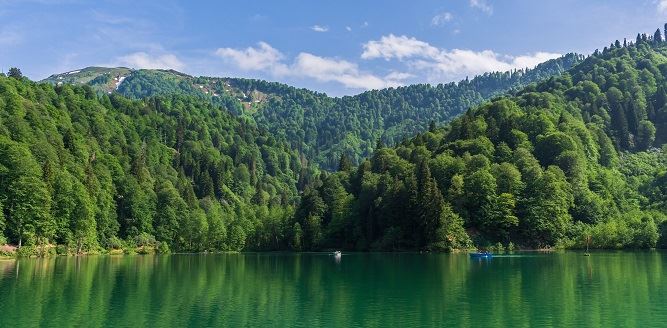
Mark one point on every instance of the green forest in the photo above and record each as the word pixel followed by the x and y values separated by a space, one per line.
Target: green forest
pixel 571 159
pixel 90 172
pixel 321 127
pixel 576 157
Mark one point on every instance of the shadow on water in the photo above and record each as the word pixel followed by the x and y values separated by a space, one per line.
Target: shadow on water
pixel 314 289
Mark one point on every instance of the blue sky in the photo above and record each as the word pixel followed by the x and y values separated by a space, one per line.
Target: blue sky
pixel 339 47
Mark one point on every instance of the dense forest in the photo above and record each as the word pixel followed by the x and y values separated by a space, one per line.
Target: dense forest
pixel 575 159
pixel 87 172
pixel 321 127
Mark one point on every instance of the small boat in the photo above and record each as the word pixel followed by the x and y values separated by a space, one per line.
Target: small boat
pixel 337 254
pixel 481 255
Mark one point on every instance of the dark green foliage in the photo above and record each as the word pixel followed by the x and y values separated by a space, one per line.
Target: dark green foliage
pixel 15 73
pixel 81 170
pixel 569 158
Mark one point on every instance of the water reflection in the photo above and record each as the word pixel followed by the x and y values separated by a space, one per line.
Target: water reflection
pixel 406 290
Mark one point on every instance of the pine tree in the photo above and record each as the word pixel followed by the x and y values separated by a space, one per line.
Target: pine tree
pixel 430 203
pixel 657 36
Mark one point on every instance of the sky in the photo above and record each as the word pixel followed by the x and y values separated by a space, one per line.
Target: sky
pixel 340 47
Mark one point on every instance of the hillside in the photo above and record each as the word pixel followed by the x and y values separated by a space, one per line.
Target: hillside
pixel 87 171
pixel 579 157
pixel 322 127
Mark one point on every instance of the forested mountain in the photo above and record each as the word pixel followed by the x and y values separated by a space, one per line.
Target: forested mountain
pixel 88 171
pixel 322 127
pixel 580 156
pixel 577 158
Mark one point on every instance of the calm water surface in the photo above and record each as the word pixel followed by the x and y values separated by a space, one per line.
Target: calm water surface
pixel 306 290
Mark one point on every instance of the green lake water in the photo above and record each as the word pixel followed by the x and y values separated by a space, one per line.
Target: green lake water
pixel 607 289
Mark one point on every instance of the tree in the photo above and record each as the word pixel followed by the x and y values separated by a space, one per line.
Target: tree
pixel 619 121
pixel 449 232
pixel 27 199
pixel 15 73
pixel 429 205
pixel 297 236
pixel 645 135
pixel 545 208
pixel 170 211
pixel 657 36
pixel 29 219
pixel 480 191
pixel 3 240
pixel 74 213
pixel 503 219
pixel 345 163
pixel 309 216
pixel 508 178
pixel 83 223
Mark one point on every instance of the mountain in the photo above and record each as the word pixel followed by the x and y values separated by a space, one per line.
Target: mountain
pixel 577 159
pixel 90 172
pixel 322 127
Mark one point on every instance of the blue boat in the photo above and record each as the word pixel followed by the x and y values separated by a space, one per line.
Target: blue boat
pixel 481 255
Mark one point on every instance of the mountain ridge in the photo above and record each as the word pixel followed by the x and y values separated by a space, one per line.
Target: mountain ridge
pixel 333 126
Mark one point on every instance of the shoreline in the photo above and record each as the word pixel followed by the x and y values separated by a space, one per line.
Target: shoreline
pixel 119 253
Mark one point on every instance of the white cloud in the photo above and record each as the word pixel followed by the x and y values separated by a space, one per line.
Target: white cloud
pixel 399 47
pixel 344 72
pixel 441 19
pixel 398 76
pixel 349 29
pixel 144 60
pixel 458 63
pixel 441 64
pixel 662 6
pixel 533 60
pixel 263 57
pixel 318 28
pixel 305 65
pixel 482 5
pixel 420 61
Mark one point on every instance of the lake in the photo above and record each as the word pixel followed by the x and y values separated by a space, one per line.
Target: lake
pixel 564 289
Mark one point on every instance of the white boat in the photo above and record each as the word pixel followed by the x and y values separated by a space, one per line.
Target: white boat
pixel 337 254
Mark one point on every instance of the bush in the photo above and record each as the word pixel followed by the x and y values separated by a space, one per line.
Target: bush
pixel 26 251
pixel 145 239
pixel 3 240
pixel 163 248
pixel 115 243
pixel 143 250
pixel 62 250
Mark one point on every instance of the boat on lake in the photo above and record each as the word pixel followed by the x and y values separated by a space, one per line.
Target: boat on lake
pixel 481 255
